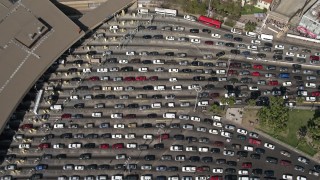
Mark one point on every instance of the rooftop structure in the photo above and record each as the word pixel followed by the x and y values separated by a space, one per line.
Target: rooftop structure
pixel 310 22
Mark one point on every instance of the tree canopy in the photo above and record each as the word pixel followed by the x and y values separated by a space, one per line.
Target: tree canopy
pixel 250 26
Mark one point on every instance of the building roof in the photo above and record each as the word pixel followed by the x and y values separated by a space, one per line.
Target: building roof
pixel 267 1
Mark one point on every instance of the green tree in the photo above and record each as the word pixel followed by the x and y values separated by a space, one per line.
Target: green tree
pixel 299 100
pixel 230 22
pixel 275 116
pixel 250 26
pixel 215 108
pixel 302 132
pixel 314 129
pixel 251 102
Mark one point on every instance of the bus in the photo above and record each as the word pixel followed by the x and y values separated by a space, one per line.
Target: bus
pixel 265 37
pixel 143 11
pixel 209 21
pixel 166 12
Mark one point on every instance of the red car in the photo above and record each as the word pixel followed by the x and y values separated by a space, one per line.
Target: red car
pixel 104 146
pixel 254 141
pixel 141 78
pixel 199 169
pixel 257 66
pixel 209 42
pixel 214 95
pixel 315 93
pixel 255 74
pixel 94 78
pixel 247 165
pixel 315 58
pixel 153 78
pixel 216 178
pixel 131 116
pixel 232 72
pixel 285 163
pixel 165 136
pixel 66 116
pixel 129 79
pixel 273 83
pixel 118 146
pixel 218 143
pixel 44 145
pixel 26 126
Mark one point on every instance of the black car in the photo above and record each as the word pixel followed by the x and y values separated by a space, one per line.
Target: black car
pixel 71 70
pixel 82 88
pixel 76 79
pixel 228 36
pixel 242 153
pixel 85 156
pixel 278 51
pixel 146 62
pixel 79 105
pixel 126 69
pixel 277 57
pixel 133 105
pixel 213 79
pixel 92 167
pixel 141 27
pixel 172 168
pixel 106 135
pixel 230 171
pixel 146 125
pixel 194 30
pixel 206 30
pixel 152 115
pixel 288 58
pixel 148 87
pixel 272 160
pixel 268 44
pixel 158 146
pixel 209 87
pixel 156 96
pixel 92 136
pixel 301 60
pixel 153 53
pixel 159 36
pixel 296 66
pixel 257 171
pixel 104 167
pixel 219 54
pixel 266 49
pixel 269 173
pixel 208 64
pixel 111 96
pixel 246 80
pixel 255 156
pixel 100 96
pixel 66 136
pixel 178 137
pixel 197 63
pixel 147 37
pixel 186 70
pixel 152 27
pixel 230 177
pixel 231 163
pixel 90 145
pixel 207 159
pixel 221 161
pixel 191 139
pixel 194 158
pixel 215 150
pixel 260 151
pixel 261 55
pixel 234 51
pixel 169 53
pixel 149 157
pixel 230 45
pixel 271 67
pixel 199 78
pixel 239 39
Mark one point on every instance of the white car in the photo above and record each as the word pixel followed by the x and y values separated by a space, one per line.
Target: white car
pixel 189 169
pixel 285 153
pixel 217 124
pixel 243 172
pixel 201 129
pixel 301 56
pixel 74 145
pixel 114 69
pixel 254 135
pixel 226 134
pixel 176 148
pixel 173 70
pixel 116 136
pixel 118 126
pixel 177 87
pixel 301 178
pixel 24 146
pixel 58 146
pixel 132 145
pixel 290 54
pixel 252 47
pixel 173 79
pixel 221 71
pixel 203 149
pixel 102 70
pixel 311 85
pixel 311 98
pixel 307 71
pixel 251 34
pixel 190 18
pixel 269 146
pixel 304 160
pixel 195 40
pixel 242 131
pixel 143 69
pixel 217 170
pixel 191 148
pixel 256 42
pixel 158 61
pixel 215 35
pixel 178 28
pixel 147 136
pixel 317 54
pixel 195 118
pixel 130 53
pixel 170 38
pixel 123 61
pixel 130 136
pixel 287 83
pixel 146 167
pixel 216 118
pixel 248 148
pixel 279 46
pixel 213 131
pixel 79 167
pixel 116 115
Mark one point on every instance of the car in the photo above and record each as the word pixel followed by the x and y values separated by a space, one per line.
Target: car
pixel 195 40
pixel 313 172
pixel 246 165
pixel 228 153
pixel 285 163
pixel 254 141
pixel 170 38
pixel 299 177
pixel 303 160
pixel 255 41
pixel 217 170
pixel 285 153
pixel 209 42
pixel 215 35
pixel 243 172
pixel 269 146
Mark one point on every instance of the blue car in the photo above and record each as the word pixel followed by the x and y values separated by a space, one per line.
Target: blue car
pixel 41 167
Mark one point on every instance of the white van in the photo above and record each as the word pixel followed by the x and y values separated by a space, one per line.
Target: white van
pixel 159 88
pixel 96 114
pixel 266 37
pixel 56 107
pixel 156 105
pixel 169 115
pixel 177 88
pixel 251 34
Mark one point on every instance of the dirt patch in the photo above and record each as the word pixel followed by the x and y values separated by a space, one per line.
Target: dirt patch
pixel 249 118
